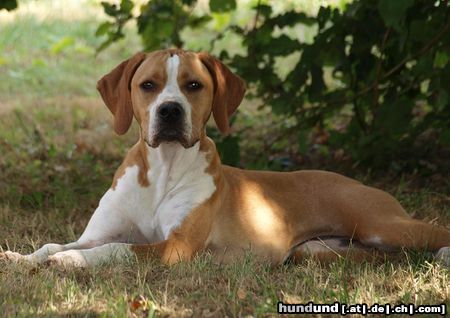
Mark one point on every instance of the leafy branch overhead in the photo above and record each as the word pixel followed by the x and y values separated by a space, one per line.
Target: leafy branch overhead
pixel 8 4
pixel 375 76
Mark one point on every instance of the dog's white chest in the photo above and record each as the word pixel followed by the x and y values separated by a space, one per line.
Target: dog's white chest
pixel 178 184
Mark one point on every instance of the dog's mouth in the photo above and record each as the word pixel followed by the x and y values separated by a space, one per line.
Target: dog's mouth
pixel 169 136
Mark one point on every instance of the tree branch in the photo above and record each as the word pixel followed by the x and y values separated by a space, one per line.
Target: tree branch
pixel 376 93
pixel 397 67
pixel 255 22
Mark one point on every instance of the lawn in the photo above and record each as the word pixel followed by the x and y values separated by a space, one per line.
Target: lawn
pixel 58 153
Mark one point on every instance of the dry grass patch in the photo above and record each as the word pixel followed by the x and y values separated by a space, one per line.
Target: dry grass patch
pixel 203 288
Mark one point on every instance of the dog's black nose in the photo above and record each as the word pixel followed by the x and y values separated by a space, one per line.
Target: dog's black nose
pixel 170 111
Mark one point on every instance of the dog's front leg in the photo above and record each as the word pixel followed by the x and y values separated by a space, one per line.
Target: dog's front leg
pixel 106 225
pixel 110 252
pixel 39 255
pixel 169 251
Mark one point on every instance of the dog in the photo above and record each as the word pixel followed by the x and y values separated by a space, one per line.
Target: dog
pixel 172 199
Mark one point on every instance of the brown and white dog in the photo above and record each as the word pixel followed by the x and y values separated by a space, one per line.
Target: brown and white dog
pixel 172 198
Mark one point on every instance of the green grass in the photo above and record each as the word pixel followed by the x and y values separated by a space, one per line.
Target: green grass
pixel 57 157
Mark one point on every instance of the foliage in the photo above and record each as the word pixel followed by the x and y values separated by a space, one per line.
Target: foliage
pixel 375 77
pixel 8 4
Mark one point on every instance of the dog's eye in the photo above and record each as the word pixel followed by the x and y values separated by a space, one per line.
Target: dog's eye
pixel 148 86
pixel 193 86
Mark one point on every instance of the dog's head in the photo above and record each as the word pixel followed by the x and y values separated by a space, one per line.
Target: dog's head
pixel 172 94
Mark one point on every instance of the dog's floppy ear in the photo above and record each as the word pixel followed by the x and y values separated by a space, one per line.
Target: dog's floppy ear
pixel 229 90
pixel 114 88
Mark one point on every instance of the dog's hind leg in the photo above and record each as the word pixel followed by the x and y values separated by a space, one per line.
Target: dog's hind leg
pixel 331 249
pixel 403 233
pixel 406 233
pixel 376 219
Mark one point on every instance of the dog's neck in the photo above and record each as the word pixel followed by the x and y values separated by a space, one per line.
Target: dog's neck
pixel 173 157
pixel 169 162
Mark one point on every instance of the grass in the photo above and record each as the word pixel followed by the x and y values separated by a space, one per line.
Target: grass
pixel 58 155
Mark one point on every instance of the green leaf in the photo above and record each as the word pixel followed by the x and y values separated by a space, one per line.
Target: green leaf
pixel 323 16
pixel 317 82
pixel 196 22
pixel 303 142
pixel 442 100
pixel 420 30
pixel 279 106
pixel 8 4
pixel 110 9
pixel 282 46
pixel 103 28
pixel 441 59
pixel 393 12
pixel 337 139
pixel 104 45
pixel 445 136
pixel 157 37
pixel 261 36
pixel 221 21
pixel 423 65
pixel 62 44
pixel 222 5
pixel 394 117
pixel 290 19
pixel 126 6
pixel 189 2
pixel 229 150
pixel 264 10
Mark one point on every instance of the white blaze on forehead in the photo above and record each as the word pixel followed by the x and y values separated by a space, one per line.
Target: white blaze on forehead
pixel 171 93
pixel 173 63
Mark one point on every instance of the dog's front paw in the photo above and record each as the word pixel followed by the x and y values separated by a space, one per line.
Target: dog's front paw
pixel 443 256
pixel 10 256
pixel 71 258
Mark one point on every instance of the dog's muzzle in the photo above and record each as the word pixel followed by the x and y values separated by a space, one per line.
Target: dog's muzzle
pixel 170 127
